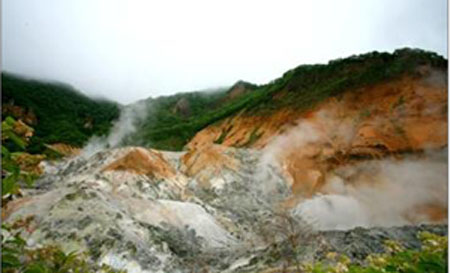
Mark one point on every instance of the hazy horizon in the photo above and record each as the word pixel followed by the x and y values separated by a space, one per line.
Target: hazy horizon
pixel 131 50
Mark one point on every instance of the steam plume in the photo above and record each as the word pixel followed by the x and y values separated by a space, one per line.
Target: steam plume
pixel 381 193
pixel 130 116
pixel 386 192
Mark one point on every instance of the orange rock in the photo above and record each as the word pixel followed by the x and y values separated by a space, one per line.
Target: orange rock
pixel 65 149
pixel 143 161
pixel 13 206
pixel 434 212
pixel 27 115
pixel 406 114
pixel 29 162
pixel 206 162
pixel 387 111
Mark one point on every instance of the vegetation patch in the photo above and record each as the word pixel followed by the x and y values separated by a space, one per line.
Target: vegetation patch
pixel 254 136
pixel 432 257
pixel 223 135
pixel 63 114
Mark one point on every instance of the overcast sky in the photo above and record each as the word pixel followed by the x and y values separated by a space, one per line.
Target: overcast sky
pixel 128 49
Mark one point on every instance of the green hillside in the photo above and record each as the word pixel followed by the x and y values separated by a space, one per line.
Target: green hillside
pixel 62 113
pixel 168 128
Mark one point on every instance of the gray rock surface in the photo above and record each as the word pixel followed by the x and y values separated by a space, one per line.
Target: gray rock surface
pixel 164 220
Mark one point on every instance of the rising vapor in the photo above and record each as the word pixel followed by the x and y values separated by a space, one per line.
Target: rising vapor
pixel 130 116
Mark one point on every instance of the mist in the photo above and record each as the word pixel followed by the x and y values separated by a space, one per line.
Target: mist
pixel 130 116
pixel 130 50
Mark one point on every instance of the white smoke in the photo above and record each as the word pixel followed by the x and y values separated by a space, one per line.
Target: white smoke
pixel 322 130
pixel 379 193
pixel 269 181
pixel 130 116
pixel 386 192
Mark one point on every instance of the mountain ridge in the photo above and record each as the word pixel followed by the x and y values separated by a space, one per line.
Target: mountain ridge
pixel 300 89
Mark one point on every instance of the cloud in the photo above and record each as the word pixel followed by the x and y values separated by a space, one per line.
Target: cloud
pixel 129 50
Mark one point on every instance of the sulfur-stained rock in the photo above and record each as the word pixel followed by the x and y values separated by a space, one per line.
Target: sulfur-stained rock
pixel 205 163
pixel 64 149
pixel 143 161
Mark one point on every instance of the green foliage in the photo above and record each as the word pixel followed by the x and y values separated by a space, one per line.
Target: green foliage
pixel 364 114
pixel 254 136
pixel 399 102
pixel 9 134
pixel 164 128
pixel 62 112
pixel 223 135
pixel 11 173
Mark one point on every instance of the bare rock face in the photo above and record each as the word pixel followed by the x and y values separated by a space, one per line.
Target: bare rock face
pixel 133 208
pixel 206 164
pixel 123 214
pixel 220 208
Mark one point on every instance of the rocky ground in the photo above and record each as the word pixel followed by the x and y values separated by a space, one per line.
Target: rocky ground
pixel 223 209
